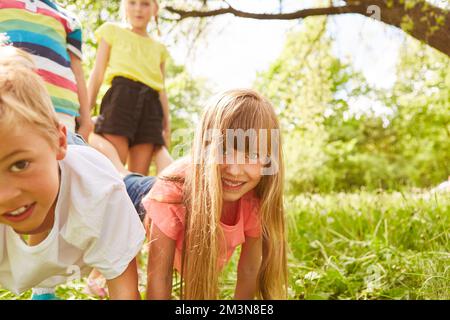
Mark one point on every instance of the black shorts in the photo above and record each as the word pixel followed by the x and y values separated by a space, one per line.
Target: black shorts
pixel 133 110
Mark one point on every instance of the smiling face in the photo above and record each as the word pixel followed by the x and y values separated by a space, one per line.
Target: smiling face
pixel 139 12
pixel 238 178
pixel 29 178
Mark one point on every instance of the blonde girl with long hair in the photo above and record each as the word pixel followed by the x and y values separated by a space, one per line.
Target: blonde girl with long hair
pixel 228 192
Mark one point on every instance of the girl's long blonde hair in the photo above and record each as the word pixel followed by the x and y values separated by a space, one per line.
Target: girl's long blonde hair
pixel 236 109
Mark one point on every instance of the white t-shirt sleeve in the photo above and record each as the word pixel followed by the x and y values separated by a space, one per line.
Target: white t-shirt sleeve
pixel 102 220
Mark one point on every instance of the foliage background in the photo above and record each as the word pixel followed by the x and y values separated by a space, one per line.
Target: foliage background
pixel 330 146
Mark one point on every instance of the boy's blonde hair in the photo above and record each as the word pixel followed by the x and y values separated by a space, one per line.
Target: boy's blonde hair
pixel 24 98
pixel 236 109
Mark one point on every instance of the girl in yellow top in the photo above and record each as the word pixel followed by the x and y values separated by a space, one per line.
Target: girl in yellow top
pixel 134 113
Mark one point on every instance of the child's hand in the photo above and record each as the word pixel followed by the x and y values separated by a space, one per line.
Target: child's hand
pixel 86 127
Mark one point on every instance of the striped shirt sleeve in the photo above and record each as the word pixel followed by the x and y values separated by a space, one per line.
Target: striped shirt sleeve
pixel 74 35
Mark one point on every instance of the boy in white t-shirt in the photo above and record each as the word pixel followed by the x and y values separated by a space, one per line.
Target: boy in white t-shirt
pixel 70 199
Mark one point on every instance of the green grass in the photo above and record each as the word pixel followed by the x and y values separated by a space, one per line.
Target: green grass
pixel 352 246
pixel 369 246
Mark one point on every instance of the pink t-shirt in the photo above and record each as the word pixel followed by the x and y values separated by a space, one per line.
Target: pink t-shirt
pixel 164 204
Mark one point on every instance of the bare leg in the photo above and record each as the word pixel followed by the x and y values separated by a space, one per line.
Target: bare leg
pixel 162 158
pixel 108 149
pixel 121 145
pixel 140 157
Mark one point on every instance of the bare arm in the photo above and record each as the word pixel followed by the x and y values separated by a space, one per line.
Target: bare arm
pixel 248 268
pixel 98 73
pixel 166 111
pixel 160 265
pixel 86 124
pixel 125 286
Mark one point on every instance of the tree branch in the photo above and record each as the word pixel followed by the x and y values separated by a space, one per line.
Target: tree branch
pixel 183 14
pixel 430 23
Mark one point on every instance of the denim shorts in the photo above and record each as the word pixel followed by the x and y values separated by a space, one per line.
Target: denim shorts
pixel 137 187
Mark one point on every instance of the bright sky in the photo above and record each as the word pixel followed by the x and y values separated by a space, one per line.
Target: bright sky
pixel 236 52
pixel 236 49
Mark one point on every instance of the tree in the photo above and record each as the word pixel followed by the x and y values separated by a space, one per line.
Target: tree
pixel 341 133
pixel 421 99
pixel 301 85
pixel 419 18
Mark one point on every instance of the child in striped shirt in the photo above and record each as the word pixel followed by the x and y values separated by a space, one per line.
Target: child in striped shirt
pixel 53 37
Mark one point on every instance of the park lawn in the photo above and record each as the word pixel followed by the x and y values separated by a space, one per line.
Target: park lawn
pixel 352 246
pixel 369 246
